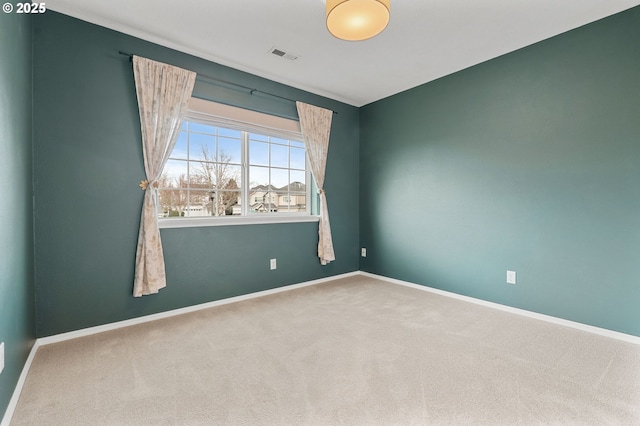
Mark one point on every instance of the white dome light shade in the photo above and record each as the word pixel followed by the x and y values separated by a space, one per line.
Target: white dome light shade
pixel 356 20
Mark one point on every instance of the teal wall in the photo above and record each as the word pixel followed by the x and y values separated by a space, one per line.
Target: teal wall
pixel 87 166
pixel 528 162
pixel 17 329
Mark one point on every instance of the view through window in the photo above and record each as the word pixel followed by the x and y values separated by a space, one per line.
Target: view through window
pixel 218 171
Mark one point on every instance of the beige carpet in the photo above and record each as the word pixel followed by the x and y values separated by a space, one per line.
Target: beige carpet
pixel 355 351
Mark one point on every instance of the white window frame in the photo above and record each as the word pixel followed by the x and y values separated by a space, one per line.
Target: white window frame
pixel 212 113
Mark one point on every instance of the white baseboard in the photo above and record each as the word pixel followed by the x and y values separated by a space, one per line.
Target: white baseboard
pixel 13 402
pixel 6 420
pixel 140 320
pixel 548 318
pixel 147 318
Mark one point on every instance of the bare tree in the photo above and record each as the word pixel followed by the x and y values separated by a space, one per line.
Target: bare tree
pixel 216 174
pixel 212 185
pixel 172 195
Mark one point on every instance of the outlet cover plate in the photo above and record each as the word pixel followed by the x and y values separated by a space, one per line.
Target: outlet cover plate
pixel 1 357
pixel 272 264
pixel 511 277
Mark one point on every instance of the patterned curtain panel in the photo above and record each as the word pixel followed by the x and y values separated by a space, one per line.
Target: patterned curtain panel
pixel 163 92
pixel 315 123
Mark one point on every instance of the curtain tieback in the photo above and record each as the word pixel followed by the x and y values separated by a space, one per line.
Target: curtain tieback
pixel 321 191
pixel 144 184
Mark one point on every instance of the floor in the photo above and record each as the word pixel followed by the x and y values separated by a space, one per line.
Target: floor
pixel 355 351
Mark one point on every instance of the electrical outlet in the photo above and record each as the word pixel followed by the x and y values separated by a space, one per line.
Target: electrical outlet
pixel 273 264
pixel 363 252
pixel 1 357
pixel 511 277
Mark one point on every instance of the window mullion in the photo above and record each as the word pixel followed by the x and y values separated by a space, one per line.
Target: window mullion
pixel 244 194
pixel 188 177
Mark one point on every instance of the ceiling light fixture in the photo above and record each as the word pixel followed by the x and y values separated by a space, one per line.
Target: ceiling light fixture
pixel 356 20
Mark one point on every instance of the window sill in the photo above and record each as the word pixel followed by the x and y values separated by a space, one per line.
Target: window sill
pixel 224 221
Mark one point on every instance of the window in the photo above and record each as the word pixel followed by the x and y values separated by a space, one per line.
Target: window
pixel 224 169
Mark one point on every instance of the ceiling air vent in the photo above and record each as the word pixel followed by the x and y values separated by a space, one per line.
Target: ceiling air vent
pixel 283 54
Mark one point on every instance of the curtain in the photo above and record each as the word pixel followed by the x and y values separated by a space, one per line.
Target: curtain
pixel 163 92
pixel 315 123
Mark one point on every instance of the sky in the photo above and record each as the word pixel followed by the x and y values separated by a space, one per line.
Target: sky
pixel 200 143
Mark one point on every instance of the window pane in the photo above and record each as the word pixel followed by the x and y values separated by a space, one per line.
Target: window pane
pixel 215 175
pixel 297 144
pixel 292 203
pixel 283 198
pixel 258 176
pixel 297 187
pixel 201 128
pixel 256 137
pixel 181 150
pixel 201 175
pixel 279 178
pixel 171 202
pixel 297 158
pixel 259 153
pixel 202 147
pixel 256 196
pixel 298 204
pixel 279 141
pixel 229 133
pixel 174 174
pixel 262 200
pixel 299 177
pixel 279 156
pixel 230 176
pixel 227 203
pixel 229 150
pixel 200 203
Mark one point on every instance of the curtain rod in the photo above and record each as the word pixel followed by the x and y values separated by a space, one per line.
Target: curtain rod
pixel 240 86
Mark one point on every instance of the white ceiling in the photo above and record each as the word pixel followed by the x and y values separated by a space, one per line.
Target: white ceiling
pixel 425 39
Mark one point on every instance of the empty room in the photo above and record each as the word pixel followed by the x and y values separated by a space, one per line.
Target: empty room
pixel 319 212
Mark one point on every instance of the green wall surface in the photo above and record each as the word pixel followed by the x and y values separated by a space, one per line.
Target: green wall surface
pixel 528 162
pixel 87 166
pixel 17 329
